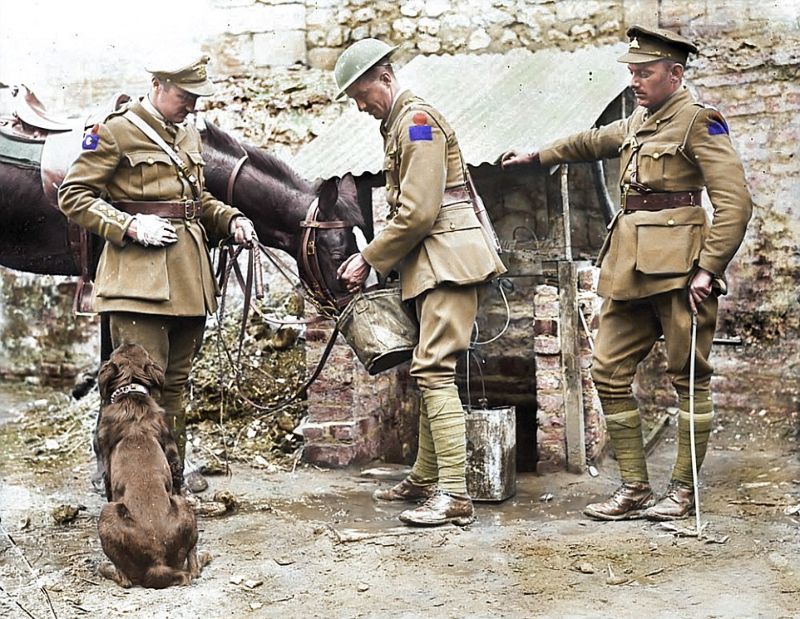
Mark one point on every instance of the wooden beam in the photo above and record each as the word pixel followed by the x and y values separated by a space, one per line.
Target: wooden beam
pixel 565 212
pixel 572 383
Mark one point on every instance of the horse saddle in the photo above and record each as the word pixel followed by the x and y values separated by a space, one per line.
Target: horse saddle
pixel 57 143
pixel 30 121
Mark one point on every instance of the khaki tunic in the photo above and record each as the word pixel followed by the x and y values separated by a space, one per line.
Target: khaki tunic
pixel 176 280
pixel 680 147
pixel 427 244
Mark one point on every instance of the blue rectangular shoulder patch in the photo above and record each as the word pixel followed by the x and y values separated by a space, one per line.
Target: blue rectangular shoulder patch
pixel 717 128
pixel 420 132
pixel 90 141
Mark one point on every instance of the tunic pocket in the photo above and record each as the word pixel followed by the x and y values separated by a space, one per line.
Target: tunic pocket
pixel 668 242
pixel 456 247
pixel 656 164
pixel 148 169
pixel 133 272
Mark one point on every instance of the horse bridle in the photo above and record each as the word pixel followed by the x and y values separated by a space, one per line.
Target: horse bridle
pixel 310 269
pixel 232 178
pixel 308 259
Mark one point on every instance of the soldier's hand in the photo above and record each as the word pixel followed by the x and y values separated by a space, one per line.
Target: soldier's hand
pixel 699 288
pixel 244 233
pixel 513 159
pixel 152 230
pixel 353 272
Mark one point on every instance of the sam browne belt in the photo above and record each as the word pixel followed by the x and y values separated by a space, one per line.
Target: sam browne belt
pixel 661 201
pixel 185 209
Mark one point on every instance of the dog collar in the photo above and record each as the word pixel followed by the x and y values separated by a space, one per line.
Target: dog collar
pixel 129 389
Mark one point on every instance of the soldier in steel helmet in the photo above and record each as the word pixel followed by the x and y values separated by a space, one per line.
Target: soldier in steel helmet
pixel 154 278
pixel 662 261
pixel 436 243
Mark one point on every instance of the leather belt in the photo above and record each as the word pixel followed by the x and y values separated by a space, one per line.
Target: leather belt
pixel 455 195
pixel 661 201
pixel 185 209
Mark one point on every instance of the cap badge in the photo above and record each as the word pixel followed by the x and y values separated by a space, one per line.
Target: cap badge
pixel 634 43
pixel 200 68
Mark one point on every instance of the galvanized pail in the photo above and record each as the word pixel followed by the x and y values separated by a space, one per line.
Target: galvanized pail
pixel 491 453
pixel 380 328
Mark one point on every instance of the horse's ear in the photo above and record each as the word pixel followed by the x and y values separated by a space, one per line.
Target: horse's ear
pixel 328 194
pixel 347 188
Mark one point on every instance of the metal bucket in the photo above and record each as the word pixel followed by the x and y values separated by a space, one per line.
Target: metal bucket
pixel 491 453
pixel 380 328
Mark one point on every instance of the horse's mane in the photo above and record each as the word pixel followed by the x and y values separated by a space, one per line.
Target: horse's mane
pixel 259 157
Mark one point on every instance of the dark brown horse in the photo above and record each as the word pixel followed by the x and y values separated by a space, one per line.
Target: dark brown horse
pixel 34 236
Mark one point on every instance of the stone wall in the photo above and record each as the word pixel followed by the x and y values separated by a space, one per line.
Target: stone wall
pixel 40 339
pixel 459 26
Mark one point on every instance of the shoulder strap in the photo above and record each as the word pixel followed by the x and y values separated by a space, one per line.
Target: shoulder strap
pixel 151 133
pixel 682 147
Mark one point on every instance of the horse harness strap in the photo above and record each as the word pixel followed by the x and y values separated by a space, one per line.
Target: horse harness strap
pixel 232 179
pixel 182 209
pixel 309 258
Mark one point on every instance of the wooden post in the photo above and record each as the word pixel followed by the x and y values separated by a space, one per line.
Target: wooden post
pixel 565 212
pixel 572 383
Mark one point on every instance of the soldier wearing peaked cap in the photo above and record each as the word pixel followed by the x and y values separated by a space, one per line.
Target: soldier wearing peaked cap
pixel 436 243
pixel 662 261
pixel 138 183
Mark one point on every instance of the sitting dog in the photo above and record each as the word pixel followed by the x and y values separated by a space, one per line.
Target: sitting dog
pixel 147 529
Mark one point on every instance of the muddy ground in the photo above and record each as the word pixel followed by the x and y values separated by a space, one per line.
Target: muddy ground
pixel 312 543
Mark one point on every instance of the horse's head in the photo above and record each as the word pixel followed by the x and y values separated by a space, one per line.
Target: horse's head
pixel 277 200
pixel 333 240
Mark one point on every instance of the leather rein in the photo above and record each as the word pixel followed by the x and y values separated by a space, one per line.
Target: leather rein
pixel 308 260
pixel 311 278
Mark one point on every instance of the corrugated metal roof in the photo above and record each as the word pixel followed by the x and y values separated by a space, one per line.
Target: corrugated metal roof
pixel 495 102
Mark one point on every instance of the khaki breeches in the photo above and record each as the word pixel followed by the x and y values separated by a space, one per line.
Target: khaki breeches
pixel 628 331
pixel 446 315
pixel 172 342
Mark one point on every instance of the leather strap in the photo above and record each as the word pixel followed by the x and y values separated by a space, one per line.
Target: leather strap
pixel 661 201
pixel 151 133
pixel 232 179
pixel 187 209
pixel 455 195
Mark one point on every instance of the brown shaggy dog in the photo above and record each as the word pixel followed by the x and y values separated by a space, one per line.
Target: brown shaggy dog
pixel 148 531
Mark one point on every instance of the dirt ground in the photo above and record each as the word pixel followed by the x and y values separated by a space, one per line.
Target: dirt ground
pixel 312 543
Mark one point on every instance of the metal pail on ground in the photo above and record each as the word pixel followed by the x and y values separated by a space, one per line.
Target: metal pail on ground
pixel 380 328
pixel 491 453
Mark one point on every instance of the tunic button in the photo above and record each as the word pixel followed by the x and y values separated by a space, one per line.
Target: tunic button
pixel 150 160
pixel 452 226
pixel 671 222
pixel 656 155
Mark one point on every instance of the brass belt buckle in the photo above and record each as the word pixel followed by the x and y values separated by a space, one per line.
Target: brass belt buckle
pixel 189 209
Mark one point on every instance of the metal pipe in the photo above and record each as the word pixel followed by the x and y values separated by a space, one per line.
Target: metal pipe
pixel 607 205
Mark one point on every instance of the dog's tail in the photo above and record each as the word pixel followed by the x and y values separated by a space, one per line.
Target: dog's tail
pixel 162 576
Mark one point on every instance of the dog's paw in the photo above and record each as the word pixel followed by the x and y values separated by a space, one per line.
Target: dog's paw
pixel 108 570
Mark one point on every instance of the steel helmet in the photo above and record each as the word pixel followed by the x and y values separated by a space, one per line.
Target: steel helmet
pixel 357 60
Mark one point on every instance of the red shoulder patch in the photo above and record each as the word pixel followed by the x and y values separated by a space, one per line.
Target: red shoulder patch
pixel 420 118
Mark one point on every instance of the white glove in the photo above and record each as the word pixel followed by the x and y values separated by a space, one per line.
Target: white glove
pixel 154 230
pixel 243 231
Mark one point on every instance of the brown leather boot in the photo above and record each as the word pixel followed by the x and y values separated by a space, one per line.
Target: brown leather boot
pixel 441 508
pixel 677 503
pixel 627 503
pixel 406 490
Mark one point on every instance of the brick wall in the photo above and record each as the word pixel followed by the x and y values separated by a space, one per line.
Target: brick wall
pixel 551 413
